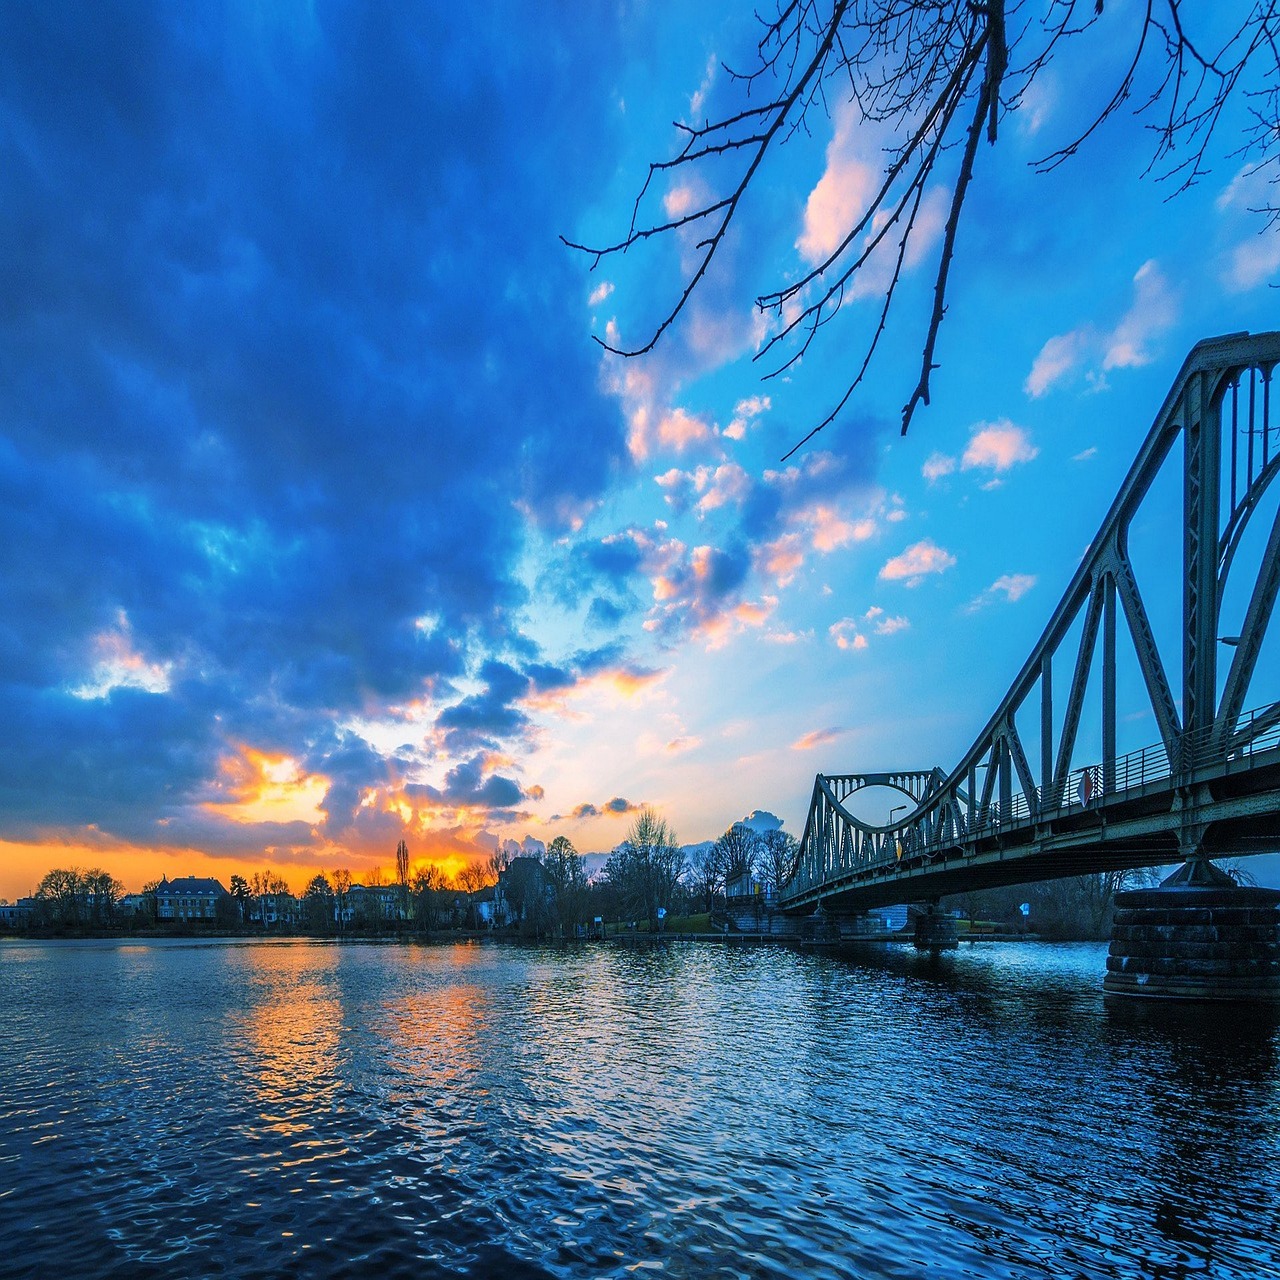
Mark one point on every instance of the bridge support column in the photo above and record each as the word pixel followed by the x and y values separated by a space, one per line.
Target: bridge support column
pixel 1199 936
pixel 935 930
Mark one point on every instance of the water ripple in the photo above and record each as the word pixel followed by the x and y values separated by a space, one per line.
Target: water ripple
pixel 693 1111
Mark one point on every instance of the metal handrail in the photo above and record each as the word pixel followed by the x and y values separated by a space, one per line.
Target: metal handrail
pixel 1133 772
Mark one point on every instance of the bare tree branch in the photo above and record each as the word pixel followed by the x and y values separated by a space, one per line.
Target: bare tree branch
pixel 938 75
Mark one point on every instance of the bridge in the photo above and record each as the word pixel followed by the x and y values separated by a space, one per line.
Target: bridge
pixel 1210 785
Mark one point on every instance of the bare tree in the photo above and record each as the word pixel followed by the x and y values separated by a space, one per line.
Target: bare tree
pixel 706 874
pixel 779 858
pixel 498 861
pixel 402 875
pixel 473 877
pixel 645 869
pixel 939 76
pixel 268 886
pixel 739 850
pixel 430 885
pixel 341 887
pixel 63 896
pixel 566 872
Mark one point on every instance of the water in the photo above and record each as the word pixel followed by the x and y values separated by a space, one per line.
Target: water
pixel 304 1109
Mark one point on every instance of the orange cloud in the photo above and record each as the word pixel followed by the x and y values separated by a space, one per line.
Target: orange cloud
pixel 257 787
pixel 817 738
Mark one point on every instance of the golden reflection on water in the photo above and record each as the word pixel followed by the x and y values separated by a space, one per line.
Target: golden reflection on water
pixel 289 1038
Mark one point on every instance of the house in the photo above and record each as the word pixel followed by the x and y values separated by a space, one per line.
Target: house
pixel 523 892
pixel 743 885
pixel 482 903
pixel 17 915
pixel 188 898
pixel 134 904
pixel 371 904
pixel 269 909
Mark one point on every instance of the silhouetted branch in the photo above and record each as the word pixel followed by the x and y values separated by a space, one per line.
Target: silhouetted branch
pixel 939 75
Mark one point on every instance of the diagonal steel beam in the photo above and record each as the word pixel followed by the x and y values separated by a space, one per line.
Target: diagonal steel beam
pixel 1144 644
pixel 1079 680
pixel 1256 619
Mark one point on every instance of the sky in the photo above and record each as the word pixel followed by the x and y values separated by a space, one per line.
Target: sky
pixel 324 522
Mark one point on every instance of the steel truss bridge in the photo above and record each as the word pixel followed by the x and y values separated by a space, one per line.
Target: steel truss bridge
pixel 1210 786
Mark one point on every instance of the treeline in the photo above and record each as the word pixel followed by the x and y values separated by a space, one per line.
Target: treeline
pixel 1074 909
pixel 647 880
pixel 74 899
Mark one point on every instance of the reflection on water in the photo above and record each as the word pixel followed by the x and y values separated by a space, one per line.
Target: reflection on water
pixel 700 1111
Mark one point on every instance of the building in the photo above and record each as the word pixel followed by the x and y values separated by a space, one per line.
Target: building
pixel 371 904
pixel 268 909
pixel 523 893
pixel 188 898
pixel 17 915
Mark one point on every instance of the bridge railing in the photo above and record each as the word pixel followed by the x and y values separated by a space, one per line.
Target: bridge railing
pixel 1144 769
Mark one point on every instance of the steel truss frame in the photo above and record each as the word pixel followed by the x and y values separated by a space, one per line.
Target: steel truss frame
pixel 1212 780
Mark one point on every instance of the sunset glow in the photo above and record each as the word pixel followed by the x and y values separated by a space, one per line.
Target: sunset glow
pixel 327 524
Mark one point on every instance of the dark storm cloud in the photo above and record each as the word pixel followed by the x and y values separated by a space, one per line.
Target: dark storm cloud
pixel 280 295
pixel 467 785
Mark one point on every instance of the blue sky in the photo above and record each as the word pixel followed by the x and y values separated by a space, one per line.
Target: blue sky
pixel 326 524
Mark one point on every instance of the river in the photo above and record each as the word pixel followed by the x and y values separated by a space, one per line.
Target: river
pixel 691 1110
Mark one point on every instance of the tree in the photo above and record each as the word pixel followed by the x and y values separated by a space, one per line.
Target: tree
pixel 102 893
pixel 430 889
pixel 779 858
pixel 341 887
pixel 151 901
pixel 241 892
pixel 645 869
pixel 706 874
pixel 498 861
pixel 566 872
pixel 473 877
pixel 63 897
pixel 1081 906
pixel 267 886
pixel 402 875
pixel 317 905
pixel 739 850
pixel 939 76
pixel 226 912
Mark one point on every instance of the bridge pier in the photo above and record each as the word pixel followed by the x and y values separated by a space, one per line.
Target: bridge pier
pixel 935 930
pixel 1199 936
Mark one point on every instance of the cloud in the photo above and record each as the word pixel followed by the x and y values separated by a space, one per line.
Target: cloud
pixel 853 175
pixel 761 820
pixel 679 429
pixel 1252 262
pixel 1009 587
pixel 846 635
pixel 1085 454
pixel 844 191
pixel 1153 310
pixel 260 416
pixel 817 738
pixel 744 414
pixel 998 446
pixel 1253 256
pixel 886 626
pixel 916 562
pixel 937 465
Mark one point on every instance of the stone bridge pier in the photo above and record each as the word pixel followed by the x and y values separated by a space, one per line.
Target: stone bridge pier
pixel 1199 936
